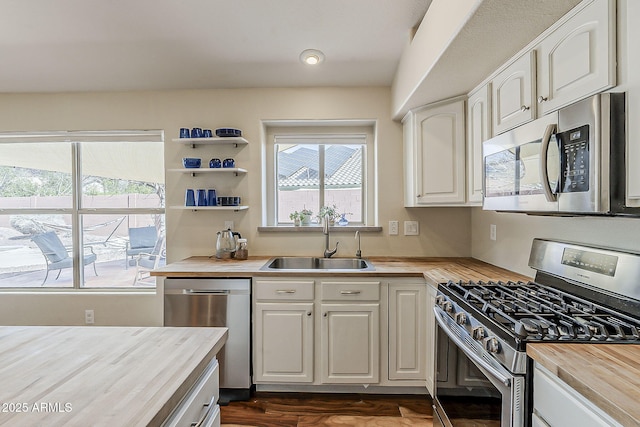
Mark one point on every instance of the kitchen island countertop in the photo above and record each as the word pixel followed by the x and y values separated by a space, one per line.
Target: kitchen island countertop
pixel 99 376
pixel 606 374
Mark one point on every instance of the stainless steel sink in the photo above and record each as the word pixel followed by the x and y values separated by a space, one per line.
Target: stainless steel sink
pixel 313 263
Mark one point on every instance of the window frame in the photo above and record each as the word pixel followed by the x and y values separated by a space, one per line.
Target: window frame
pixel 77 211
pixel 319 132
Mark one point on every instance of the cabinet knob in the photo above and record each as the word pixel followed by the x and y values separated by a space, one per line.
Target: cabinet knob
pixel 308 313
pixel 324 315
pixel 524 108
pixel 541 99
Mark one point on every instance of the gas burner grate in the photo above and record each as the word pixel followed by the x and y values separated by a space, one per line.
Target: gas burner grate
pixel 534 312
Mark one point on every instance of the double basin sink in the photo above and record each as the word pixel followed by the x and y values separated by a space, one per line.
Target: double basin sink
pixel 316 263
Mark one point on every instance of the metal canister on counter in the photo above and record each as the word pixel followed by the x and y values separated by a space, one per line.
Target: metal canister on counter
pixel 242 252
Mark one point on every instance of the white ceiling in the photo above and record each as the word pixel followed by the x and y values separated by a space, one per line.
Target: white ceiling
pixel 107 45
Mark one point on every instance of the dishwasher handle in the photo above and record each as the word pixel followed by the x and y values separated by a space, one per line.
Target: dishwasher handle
pixel 206 291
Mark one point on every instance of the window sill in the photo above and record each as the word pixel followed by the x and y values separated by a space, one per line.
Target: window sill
pixel 318 229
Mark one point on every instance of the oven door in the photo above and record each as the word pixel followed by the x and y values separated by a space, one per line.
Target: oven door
pixel 471 387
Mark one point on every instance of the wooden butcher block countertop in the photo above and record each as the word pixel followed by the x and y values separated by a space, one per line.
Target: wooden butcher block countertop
pixel 606 374
pixel 99 376
pixel 433 268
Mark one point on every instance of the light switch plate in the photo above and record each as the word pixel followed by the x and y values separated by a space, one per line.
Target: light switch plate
pixel 393 228
pixel 411 228
pixel 228 225
pixel 493 232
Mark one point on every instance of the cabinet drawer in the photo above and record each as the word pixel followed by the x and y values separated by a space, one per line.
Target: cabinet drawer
pixel 200 400
pixel 557 404
pixel 283 290
pixel 350 291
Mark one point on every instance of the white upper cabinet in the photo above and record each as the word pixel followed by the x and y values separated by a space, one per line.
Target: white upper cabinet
pixel 435 155
pixel 578 58
pixel 575 58
pixel 478 130
pixel 513 94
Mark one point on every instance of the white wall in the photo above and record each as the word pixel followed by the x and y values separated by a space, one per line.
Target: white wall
pixel 443 231
pixel 515 232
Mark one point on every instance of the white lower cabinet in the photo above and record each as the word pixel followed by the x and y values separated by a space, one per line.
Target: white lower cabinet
pixel 285 340
pixel 350 332
pixel 340 331
pixel 283 331
pixel 350 343
pixel 407 337
pixel 556 404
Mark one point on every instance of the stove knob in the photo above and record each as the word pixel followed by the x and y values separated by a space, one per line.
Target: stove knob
pixel 439 300
pixel 448 307
pixel 493 346
pixel 461 318
pixel 478 333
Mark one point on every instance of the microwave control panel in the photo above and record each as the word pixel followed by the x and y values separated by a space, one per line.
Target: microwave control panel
pixel 574 149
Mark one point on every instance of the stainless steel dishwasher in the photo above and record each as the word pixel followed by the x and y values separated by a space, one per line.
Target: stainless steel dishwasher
pixel 217 302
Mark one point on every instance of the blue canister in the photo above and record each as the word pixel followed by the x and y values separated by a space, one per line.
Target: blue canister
pixel 184 133
pixel 190 198
pixel 212 198
pixel 202 198
pixel 215 163
pixel 206 133
pixel 228 163
pixel 196 133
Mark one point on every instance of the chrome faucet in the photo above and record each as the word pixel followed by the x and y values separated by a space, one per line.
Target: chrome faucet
pixel 325 230
pixel 358 252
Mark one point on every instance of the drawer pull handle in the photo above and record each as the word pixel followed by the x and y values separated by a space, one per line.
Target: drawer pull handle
pixel 209 405
pixel 286 291
pixel 349 292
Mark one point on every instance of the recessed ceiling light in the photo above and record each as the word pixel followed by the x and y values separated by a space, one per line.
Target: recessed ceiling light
pixel 311 57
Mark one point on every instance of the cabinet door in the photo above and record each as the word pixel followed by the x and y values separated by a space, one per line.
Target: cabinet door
pixel 512 94
pixel 407 336
pixel 478 130
pixel 431 339
pixel 284 342
pixel 578 59
pixel 440 150
pixel 350 343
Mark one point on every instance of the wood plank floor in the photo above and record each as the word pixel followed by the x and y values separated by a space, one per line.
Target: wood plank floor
pixel 328 410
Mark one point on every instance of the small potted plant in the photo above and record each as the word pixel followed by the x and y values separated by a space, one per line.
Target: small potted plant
pixel 295 216
pixel 331 212
pixel 305 216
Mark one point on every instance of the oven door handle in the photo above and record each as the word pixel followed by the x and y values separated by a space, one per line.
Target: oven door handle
pixel 470 354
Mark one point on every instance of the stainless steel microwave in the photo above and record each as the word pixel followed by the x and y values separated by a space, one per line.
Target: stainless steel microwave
pixel 570 162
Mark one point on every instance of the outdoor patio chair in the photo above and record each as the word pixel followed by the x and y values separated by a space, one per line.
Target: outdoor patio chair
pixel 145 262
pixel 57 255
pixel 141 240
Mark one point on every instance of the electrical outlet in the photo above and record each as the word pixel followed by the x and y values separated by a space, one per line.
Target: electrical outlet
pixel 393 228
pixel 89 318
pixel 493 232
pixel 411 228
pixel 228 225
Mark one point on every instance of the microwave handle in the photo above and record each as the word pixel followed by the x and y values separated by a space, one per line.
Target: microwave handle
pixel 546 138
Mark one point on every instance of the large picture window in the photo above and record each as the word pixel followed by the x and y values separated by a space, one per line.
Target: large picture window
pixel 81 209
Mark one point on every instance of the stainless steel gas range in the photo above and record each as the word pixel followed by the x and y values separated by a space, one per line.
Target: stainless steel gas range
pixel 580 294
